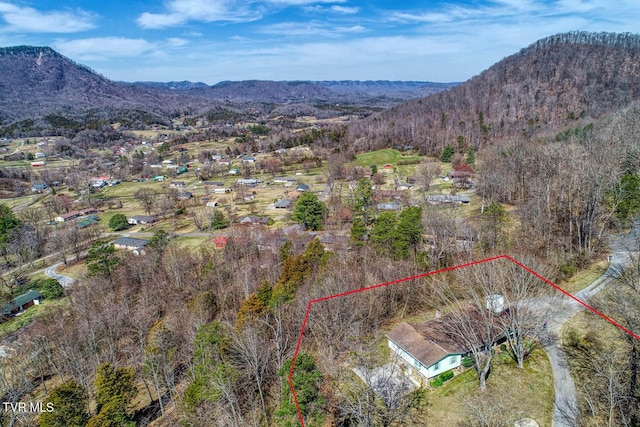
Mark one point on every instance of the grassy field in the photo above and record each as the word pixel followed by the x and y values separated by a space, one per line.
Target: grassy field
pixel 382 157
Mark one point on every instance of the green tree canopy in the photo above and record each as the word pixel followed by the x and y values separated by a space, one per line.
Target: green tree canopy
pixel 8 223
pixel 363 205
pixel 101 259
pixel 447 153
pixel 628 195
pixel 118 222
pixel 70 403
pixel 306 381
pixel 115 389
pixel 50 288
pixel 382 233
pixel 309 212
pixel 219 221
pixel 408 232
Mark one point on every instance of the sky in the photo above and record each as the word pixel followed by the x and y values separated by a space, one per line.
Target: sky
pixel 216 40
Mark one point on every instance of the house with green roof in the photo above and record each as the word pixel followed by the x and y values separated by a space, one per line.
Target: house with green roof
pixel 21 303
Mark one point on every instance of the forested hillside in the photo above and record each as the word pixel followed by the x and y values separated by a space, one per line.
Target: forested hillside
pixel 563 81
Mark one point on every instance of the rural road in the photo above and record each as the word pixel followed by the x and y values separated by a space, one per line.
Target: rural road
pixel 566 401
pixel 63 280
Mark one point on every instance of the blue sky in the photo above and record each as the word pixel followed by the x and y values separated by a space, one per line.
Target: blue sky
pixel 215 40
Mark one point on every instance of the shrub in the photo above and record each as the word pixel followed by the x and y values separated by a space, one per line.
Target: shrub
pixel 467 362
pixel 446 376
pixel 442 378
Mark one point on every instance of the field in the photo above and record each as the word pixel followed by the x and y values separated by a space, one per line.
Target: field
pixel 384 156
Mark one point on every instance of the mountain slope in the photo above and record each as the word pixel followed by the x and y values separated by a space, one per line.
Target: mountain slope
pixel 559 82
pixel 37 81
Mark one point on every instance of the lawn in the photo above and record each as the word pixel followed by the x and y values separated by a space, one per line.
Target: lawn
pixel 382 157
pixel 511 393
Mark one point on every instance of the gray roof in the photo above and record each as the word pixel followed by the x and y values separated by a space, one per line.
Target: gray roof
pixel 130 242
pixel 448 198
pixel 143 218
pixel 282 204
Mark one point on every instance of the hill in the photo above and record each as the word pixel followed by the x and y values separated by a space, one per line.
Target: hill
pixel 563 81
pixel 351 91
pixel 38 81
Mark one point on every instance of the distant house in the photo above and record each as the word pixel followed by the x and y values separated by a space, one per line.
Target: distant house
pixel 158 178
pixel 212 204
pixel 221 190
pixel 441 199
pixel 390 206
pixel 176 184
pixel 67 216
pixel 248 181
pixel 130 244
pixel 254 220
pixel 141 219
pixel 282 204
pixel 248 159
pixel 302 188
pixel 234 171
pixel 284 179
pixel 37 164
pixel 213 184
pixel 40 155
pixel 21 303
pixel 185 195
pixel 39 188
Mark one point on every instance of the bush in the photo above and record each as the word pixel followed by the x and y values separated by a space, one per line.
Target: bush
pixel 442 378
pixel 467 362
pixel 118 222
pixel 446 376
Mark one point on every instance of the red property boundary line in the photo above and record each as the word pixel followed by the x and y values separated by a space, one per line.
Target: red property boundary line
pixel 433 273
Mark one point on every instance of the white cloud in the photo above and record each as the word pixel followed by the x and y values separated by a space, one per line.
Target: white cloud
pixel 26 19
pixel 180 12
pixel 104 48
pixel 344 9
pixel 315 29
pixel 302 2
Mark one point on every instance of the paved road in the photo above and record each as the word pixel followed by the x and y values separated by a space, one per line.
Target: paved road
pixel 566 406
pixel 62 279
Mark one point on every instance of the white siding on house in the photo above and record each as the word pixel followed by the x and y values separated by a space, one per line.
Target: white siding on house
pixel 448 363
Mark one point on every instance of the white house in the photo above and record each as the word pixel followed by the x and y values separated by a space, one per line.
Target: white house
pixel 141 219
pixel 423 350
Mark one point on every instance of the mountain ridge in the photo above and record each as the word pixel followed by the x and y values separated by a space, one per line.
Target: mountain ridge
pixel 562 81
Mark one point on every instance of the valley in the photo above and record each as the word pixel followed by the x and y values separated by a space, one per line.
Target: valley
pixel 193 224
